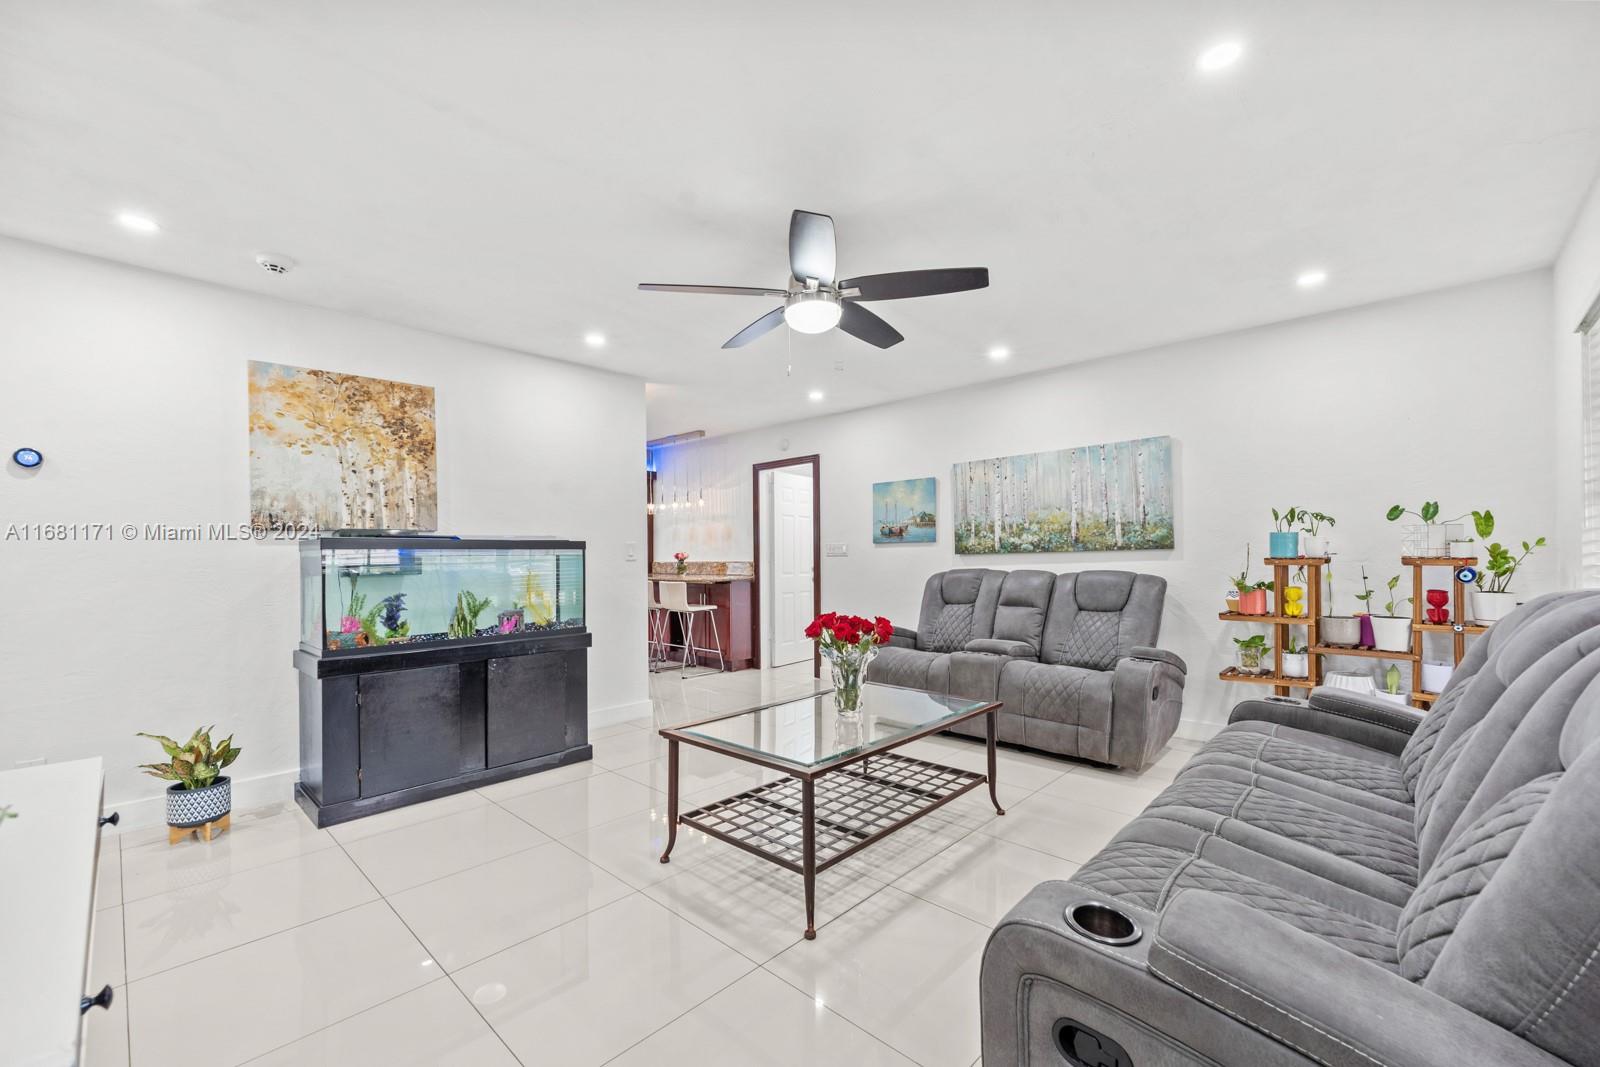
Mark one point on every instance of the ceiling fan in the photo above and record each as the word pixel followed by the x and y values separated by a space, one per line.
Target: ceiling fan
pixel 817 300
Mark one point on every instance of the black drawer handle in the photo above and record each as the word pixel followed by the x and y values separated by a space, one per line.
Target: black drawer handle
pixel 110 820
pixel 101 999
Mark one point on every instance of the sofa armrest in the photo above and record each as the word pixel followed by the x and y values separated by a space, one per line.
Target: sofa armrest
pixel 1338 713
pixel 1315 997
pixel 994 646
pixel 1146 702
pixel 903 637
pixel 1159 655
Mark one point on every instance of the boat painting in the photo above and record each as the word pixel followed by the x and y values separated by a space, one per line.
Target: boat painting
pixel 905 512
pixel 1095 498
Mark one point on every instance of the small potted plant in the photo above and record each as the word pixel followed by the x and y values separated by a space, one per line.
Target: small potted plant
pixel 1493 600
pixel 1343 629
pixel 1252 653
pixel 200 797
pixel 683 561
pixel 1438 534
pixel 1252 595
pixel 1313 541
pixel 1296 660
pixel 1284 541
pixel 1391 631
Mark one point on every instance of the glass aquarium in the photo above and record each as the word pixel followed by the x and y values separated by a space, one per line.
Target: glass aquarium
pixel 360 593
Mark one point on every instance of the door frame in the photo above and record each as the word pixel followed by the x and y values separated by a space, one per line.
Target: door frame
pixel 815 462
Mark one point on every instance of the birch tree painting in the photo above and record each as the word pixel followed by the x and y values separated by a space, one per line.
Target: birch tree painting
pixel 1095 498
pixel 339 451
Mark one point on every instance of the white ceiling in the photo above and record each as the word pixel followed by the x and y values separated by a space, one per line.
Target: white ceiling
pixel 508 171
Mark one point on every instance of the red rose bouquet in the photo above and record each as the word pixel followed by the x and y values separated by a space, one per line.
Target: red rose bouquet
pixel 849 642
pixel 683 561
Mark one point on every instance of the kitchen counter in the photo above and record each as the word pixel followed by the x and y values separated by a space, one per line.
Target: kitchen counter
pixel 701 579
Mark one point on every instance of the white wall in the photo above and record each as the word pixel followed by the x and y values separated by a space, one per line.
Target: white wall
pixel 1442 396
pixel 133 385
pixel 1576 284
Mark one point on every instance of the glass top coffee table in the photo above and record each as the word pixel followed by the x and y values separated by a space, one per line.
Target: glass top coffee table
pixel 844 786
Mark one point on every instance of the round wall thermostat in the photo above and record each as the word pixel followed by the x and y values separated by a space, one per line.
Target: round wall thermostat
pixel 1465 575
pixel 27 457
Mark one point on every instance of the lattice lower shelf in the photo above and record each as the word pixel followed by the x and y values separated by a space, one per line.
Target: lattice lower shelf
pixel 853 806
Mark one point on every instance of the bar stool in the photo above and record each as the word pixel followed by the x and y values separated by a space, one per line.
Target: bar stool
pixel 675 600
pixel 658 628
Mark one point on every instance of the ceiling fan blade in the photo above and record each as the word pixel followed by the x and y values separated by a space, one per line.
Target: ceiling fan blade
pixel 857 321
pixel 764 325
pixel 812 253
pixel 908 283
pixel 724 290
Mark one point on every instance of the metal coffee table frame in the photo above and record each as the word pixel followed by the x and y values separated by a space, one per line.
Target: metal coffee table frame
pixel 823 814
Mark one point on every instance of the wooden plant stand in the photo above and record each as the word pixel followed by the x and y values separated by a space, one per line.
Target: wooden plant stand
pixel 1459 628
pixel 205 829
pixel 1281 568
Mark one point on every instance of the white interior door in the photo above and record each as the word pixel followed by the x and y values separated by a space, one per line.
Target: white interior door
pixel 792 567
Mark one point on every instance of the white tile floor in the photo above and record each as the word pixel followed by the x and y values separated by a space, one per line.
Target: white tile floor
pixel 530 922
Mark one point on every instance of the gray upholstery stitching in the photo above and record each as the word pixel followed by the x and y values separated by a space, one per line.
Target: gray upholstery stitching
pixel 1167 946
pixel 1572 982
pixel 1159 973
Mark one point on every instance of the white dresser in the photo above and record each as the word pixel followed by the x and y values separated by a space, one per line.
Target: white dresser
pixel 48 855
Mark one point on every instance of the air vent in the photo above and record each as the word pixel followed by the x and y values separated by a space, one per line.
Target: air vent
pixel 275 264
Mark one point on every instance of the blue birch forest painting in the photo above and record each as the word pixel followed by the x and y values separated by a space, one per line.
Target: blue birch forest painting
pixel 904 512
pixel 1095 498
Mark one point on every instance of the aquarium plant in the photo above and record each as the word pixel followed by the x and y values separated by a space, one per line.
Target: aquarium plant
pixel 390 610
pixel 469 605
pixel 538 603
pixel 196 763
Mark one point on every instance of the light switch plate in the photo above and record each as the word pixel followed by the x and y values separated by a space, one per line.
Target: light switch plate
pixel 633 550
pixel 835 548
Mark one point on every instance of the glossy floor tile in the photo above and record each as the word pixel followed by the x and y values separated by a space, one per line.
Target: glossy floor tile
pixel 531 922
pixel 907 973
pixel 794 1031
pixel 464 917
pixel 435 1026
pixel 279 989
pixel 587 990
pixel 413 855
pixel 182 925
pixel 566 809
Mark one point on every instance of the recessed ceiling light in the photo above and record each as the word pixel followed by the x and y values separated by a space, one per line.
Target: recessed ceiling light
pixel 1219 56
pixel 141 223
pixel 1310 279
pixel 815 395
pixel 999 352
pixel 594 339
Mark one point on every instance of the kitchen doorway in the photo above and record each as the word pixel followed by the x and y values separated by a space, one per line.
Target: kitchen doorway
pixel 787 529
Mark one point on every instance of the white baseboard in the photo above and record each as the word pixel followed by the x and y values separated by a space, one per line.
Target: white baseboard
pixel 599 718
pixel 1198 729
pixel 259 791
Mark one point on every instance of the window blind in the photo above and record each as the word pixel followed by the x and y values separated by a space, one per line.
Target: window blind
pixel 1589 562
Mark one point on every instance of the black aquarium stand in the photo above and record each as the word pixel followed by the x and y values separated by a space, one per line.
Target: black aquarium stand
pixel 389 728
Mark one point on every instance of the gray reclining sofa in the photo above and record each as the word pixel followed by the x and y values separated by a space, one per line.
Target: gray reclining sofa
pixel 1072 656
pixel 1342 882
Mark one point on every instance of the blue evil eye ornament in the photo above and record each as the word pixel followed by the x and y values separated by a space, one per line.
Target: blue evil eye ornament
pixel 27 457
pixel 1466 575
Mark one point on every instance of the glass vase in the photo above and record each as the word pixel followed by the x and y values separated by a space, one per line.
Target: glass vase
pixel 849 668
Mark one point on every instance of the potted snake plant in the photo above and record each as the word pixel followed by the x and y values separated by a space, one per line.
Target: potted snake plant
pixel 200 794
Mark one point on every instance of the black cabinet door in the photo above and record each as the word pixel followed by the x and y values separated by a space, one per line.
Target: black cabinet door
pixel 410 727
pixel 529 697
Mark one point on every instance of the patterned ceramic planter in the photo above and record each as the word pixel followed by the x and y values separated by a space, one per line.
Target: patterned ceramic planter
pixel 195 807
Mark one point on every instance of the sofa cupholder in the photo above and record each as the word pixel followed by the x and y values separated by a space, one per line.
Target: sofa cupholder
pixel 1103 923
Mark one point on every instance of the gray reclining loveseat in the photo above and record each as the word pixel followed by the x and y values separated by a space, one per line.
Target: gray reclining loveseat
pixel 1072 656
pixel 1342 882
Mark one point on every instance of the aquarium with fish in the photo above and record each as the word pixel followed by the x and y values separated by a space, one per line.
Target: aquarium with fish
pixel 361 593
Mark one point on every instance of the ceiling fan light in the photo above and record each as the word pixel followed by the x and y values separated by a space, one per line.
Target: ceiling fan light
pixel 812 312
